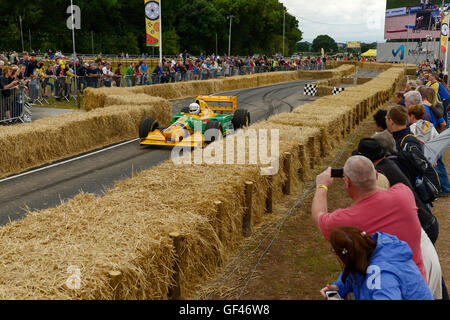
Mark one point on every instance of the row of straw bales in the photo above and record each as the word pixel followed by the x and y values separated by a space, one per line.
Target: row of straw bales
pixel 362 80
pixel 96 98
pixel 120 242
pixel 383 66
pixel 50 139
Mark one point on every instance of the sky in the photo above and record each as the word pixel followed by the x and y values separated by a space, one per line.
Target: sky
pixel 343 20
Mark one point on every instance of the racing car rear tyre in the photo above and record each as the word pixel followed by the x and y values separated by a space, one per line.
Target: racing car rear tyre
pixel 241 118
pixel 213 131
pixel 147 125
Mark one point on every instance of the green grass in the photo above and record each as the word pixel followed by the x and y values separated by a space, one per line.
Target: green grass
pixel 62 104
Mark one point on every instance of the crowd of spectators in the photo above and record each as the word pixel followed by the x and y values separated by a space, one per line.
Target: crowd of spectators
pixel 52 75
pixel 385 239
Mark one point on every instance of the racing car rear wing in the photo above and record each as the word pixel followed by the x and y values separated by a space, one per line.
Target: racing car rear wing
pixel 218 103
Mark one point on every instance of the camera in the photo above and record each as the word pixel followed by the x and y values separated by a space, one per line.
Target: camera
pixel 337 173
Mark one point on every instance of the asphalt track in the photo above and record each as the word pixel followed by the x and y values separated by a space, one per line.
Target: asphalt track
pixel 95 172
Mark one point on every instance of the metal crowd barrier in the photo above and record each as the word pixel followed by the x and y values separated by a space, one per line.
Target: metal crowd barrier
pixel 13 106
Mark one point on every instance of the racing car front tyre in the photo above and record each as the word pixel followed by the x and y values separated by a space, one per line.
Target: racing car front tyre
pixel 213 131
pixel 147 125
pixel 241 118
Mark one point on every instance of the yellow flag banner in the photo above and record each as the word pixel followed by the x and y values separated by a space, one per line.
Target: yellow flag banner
pixel 444 34
pixel 152 22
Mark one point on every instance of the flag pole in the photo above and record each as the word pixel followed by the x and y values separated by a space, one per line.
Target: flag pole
pixel 160 32
pixel 74 55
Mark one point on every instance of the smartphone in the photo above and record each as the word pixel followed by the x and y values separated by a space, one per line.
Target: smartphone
pixel 333 294
pixel 337 173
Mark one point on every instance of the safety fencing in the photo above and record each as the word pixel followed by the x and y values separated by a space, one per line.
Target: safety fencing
pixel 14 107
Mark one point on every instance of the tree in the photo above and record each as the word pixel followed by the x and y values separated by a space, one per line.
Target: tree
pixel 325 42
pixel 119 26
pixel 303 47
pixel 367 46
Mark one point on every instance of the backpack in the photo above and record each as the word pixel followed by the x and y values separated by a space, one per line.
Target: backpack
pixel 424 177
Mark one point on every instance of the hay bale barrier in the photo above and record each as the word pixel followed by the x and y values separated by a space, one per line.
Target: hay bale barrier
pixel 51 139
pixel 97 98
pixel 147 238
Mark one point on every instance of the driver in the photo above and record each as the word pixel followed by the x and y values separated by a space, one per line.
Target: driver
pixel 194 109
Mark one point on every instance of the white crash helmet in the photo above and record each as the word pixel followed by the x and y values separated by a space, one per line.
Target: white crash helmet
pixel 194 108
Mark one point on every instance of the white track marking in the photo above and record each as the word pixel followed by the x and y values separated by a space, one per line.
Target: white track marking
pixel 68 161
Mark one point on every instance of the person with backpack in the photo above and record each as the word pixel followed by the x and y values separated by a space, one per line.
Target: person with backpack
pixel 426 132
pixel 372 149
pixel 410 157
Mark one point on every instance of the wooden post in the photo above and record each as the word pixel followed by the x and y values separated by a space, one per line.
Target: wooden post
pixel 287 171
pixel 175 290
pixel 269 199
pixel 301 154
pixel 220 211
pixel 311 146
pixel 114 280
pixel 247 218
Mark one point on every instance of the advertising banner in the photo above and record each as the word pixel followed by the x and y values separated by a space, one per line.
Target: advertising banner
pixel 444 34
pixel 353 44
pixel 152 22
pixel 396 12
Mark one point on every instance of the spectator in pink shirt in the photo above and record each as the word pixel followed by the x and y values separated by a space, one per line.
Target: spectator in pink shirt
pixel 391 211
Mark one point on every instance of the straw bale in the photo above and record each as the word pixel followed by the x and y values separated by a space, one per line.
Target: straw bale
pixel 95 98
pixel 362 80
pixel 127 229
pixel 324 91
pixel 234 83
pixel 334 119
pixel 50 139
pixel 348 80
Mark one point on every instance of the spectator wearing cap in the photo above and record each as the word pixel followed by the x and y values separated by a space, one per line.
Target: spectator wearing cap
pixel 391 211
pixel 387 142
pixel 371 149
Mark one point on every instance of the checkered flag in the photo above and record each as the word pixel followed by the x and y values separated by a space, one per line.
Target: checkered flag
pixel 337 90
pixel 310 90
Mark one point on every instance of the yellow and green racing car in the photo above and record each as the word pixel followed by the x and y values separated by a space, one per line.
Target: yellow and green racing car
pixel 197 125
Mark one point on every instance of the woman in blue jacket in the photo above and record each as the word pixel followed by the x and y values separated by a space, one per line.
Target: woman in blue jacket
pixel 377 267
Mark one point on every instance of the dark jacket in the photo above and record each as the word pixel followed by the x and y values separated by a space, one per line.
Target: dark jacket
pixel 395 175
pixel 405 136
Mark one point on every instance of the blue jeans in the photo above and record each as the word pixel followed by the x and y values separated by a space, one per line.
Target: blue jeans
pixel 443 176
